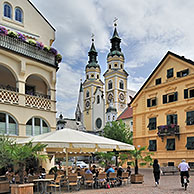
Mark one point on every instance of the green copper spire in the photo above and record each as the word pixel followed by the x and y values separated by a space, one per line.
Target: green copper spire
pixel 115 43
pixel 92 56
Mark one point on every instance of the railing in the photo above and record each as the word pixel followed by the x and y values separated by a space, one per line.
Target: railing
pixel 8 87
pixel 28 50
pixel 168 130
pixel 38 95
pixel 10 97
pixel 36 102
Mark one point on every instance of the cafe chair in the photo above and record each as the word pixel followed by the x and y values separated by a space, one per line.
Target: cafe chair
pixel 72 181
pixel 113 178
pixel 55 184
pixel 101 180
pixel 125 177
pixel 88 180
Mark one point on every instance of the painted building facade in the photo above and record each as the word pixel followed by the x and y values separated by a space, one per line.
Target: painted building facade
pixel 27 71
pixel 163 111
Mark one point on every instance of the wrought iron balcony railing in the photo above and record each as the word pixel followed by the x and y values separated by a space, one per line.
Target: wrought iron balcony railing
pixel 168 130
pixel 24 48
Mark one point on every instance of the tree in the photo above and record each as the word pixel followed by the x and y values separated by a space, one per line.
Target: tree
pixel 119 131
pixel 105 158
pixel 137 155
pixel 17 154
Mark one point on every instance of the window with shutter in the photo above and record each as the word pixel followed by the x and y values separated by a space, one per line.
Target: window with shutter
pixel 190 143
pixel 164 99
pixel 185 93
pixel 183 73
pixel 170 144
pixel 170 97
pixel 151 102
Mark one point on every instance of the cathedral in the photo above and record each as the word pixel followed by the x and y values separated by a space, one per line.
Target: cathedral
pixel 100 102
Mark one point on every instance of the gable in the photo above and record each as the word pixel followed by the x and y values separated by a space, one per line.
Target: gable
pixel 170 60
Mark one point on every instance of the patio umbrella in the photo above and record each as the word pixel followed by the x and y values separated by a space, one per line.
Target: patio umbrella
pixel 73 141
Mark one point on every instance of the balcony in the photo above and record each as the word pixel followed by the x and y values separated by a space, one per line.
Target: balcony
pixel 168 130
pixel 24 48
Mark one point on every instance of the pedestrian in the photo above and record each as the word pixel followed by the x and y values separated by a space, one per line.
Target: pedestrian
pixel 156 171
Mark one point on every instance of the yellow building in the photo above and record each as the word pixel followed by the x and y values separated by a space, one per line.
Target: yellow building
pixel 27 71
pixel 163 111
pixel 115 77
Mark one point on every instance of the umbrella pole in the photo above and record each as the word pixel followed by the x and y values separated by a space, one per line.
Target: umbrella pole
pixel 66 162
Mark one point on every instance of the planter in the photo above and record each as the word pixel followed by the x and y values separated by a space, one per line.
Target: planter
pixel 137 178
pixel 22 188
pixel 4 186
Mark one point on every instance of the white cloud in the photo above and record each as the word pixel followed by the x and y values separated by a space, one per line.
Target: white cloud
pixel 148 29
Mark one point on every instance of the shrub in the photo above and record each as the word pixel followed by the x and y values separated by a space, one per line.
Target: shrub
pixel 32 42
pixel 58 58
pixel 13 34
pixel 46 48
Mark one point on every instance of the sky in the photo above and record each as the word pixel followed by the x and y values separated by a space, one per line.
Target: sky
pixel 148 29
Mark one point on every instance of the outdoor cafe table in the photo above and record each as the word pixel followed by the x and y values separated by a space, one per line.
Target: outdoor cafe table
pixel 43 182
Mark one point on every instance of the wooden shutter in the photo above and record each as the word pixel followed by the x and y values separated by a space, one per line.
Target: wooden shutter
pixel 178 74
pixel 164 99
pixel 185 93
pixel 175 96
pixel 148 102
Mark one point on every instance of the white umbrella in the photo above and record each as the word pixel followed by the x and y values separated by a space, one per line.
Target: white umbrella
pixel 69 140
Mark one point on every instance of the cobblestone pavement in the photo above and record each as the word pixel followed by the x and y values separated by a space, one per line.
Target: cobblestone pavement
pixel 169 184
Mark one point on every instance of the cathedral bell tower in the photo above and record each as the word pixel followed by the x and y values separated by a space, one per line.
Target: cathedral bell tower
pixel 93 101
pixel 115 76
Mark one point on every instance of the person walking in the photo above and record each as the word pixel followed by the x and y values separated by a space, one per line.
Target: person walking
pixel 156 171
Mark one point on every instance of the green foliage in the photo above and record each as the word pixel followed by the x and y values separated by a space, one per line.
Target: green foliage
pixel 118 130
pixel 12 34
pixel 32 42
pixel 17 154
pixel 123 157
pixel 105 158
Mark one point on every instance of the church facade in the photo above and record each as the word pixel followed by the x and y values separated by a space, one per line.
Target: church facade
pixel 100 102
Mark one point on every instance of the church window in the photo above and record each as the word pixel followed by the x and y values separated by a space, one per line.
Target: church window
pixel 7 10
pixel 121 66
pixel 121 84
pixel 110 85
pixel 109 66
pixel 97 76
pixel 8 124
pixel 92 75
pixel 98 99
pixel 87 94
pixel 115 65
pixel 36 126
pixel 18 15
pixel 98 123
pixel 87 76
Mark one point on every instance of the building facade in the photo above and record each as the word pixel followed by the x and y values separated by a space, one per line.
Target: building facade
pixel 27 71
pixel 163 111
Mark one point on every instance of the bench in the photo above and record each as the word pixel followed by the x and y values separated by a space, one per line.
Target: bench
pixel 169 169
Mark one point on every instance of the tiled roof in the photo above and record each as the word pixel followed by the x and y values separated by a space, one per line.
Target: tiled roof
pixel 126 114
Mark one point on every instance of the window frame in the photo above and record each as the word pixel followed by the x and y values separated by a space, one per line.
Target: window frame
pixel 173 141
pixel 5 11
pixel 87 94
pixel 152 125
pixel 155 145
pixel 158 81
pixel 150 102
pixel 166 97
pixel 33 126
pixel 7 123
pixel 170 73
pixel 187 93
pixel 191 147
pixel 182 73
pixel 171 117
pixel 121 84
pixel 21 14
pixel 191 120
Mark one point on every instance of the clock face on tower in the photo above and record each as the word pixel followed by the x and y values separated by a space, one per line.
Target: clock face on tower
pixel 87 104
pixel 121 97
pixel 110 97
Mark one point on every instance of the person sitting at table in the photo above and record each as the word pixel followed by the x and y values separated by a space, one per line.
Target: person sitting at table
pixel 119 174
pixel 88 171
pixel 110 169
pixel 129 170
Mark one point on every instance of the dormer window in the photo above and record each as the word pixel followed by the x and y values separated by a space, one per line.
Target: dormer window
pixel 158 81
pixel 18 15
pixel 7 10
pixel 109 85
pixel 170 73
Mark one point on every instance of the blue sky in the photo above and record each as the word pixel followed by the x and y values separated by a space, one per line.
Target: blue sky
pixel 148 29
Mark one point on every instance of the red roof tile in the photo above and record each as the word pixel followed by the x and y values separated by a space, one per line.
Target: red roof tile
pixel 126 114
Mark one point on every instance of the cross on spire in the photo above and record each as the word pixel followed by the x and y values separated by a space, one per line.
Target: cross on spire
pixel 115 21
pixel 92 36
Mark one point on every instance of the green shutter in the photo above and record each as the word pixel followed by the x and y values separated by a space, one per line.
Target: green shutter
pixel 148 103
pixel 168 120
pixel 185 93
pixel 175 96
pixel 178 74
pixel 164 99
pixel 175 119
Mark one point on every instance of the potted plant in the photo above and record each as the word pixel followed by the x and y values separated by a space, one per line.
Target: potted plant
pixel 137 155
pixel 16 154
